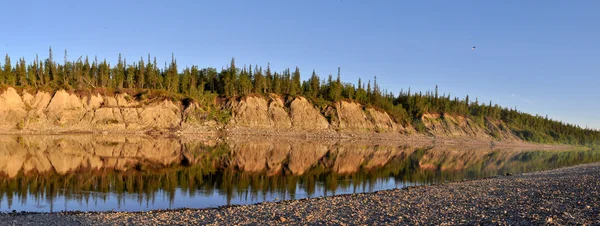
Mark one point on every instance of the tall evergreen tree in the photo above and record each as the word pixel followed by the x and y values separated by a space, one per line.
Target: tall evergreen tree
pixel 141 74
pixel 193 83
pixel 244 84
pixel 157 75
pixel 104 74
pixel 52 73
pixel 150 75
pixel 130 75
pixel 86 73
pixel 9 74
pixel 172 77
pixel 276 83
pixel 186 77
pixel 94 72
pixel 21 73
pixel 35 75
pixel 296 89
pixel 66 72
pixel 259 81
pixel 230 83
pixel 314 85
pixel 119 73
pixel 31 77
pixel 269 79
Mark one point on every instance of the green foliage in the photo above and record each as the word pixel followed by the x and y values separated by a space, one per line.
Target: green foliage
pixel 220 115
pixel 8 73
pixel 419 126
pixel 206 84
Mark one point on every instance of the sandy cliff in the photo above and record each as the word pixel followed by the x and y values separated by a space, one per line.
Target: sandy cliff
pixel 64 112
pixel 43 112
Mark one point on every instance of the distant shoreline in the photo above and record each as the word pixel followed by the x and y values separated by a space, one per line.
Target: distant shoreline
pixel 564 196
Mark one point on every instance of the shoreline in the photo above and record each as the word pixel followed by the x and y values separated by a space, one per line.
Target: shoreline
pixel 568 195
pixel 391 138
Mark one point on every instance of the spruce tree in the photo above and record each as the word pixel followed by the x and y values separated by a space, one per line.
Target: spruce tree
pixel 31 79
pixel 52 73
pixel 9 74
pixel 94 72
pixel 86 72
pixel 77 78
pixel 21 73
pixel 34 73
pixel 104 74
pixel 172 76
pixel 157 75
pixel 66 72
pixel 186 77
pixel 230 79
pixel 193 83
pixel 119 70
pixel 140 75
pixel 150 75
pixel 314 84
pixel 245 84
pixel 296 83
pixel 269 79
pixel 259 81
pixel 276 84
pixel 212 79
pixel 130 75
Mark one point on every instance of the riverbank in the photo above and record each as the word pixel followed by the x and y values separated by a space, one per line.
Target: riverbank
pixel 562 196
pixel 137 112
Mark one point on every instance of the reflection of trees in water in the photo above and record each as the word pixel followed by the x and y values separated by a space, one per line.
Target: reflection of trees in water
pixel 205 170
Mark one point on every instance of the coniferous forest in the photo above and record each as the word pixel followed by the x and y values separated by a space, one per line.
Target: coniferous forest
pixel 195 83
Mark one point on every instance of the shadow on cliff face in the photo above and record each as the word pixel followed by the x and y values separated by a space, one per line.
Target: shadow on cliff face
pixel 48 166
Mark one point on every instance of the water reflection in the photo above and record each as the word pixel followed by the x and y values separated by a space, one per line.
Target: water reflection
pixel 87 172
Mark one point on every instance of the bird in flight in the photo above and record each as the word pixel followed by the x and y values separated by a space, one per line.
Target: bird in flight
pixel 473 48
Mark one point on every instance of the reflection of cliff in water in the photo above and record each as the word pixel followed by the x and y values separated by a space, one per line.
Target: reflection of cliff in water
pixel 80 166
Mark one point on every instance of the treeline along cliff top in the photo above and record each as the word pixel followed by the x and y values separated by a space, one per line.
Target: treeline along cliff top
pixel 207 85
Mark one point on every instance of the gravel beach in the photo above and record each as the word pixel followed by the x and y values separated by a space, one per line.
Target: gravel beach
pixel 562 196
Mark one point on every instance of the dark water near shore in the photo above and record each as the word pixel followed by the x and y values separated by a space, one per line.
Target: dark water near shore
pixel 132 173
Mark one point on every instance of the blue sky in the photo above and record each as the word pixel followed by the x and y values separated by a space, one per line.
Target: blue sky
pixel 539 56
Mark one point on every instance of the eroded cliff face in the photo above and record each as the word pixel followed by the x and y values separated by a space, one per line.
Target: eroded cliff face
pixel 300 115
pixel 260 113
pixel 63 112
pixel 449 126
pixel 354 117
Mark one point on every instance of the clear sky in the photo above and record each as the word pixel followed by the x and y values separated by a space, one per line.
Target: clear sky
pixel 542 57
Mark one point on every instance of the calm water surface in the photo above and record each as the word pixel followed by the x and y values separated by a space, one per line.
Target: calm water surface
pixel 133 173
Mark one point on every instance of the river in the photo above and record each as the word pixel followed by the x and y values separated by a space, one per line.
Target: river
pixel 51 173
